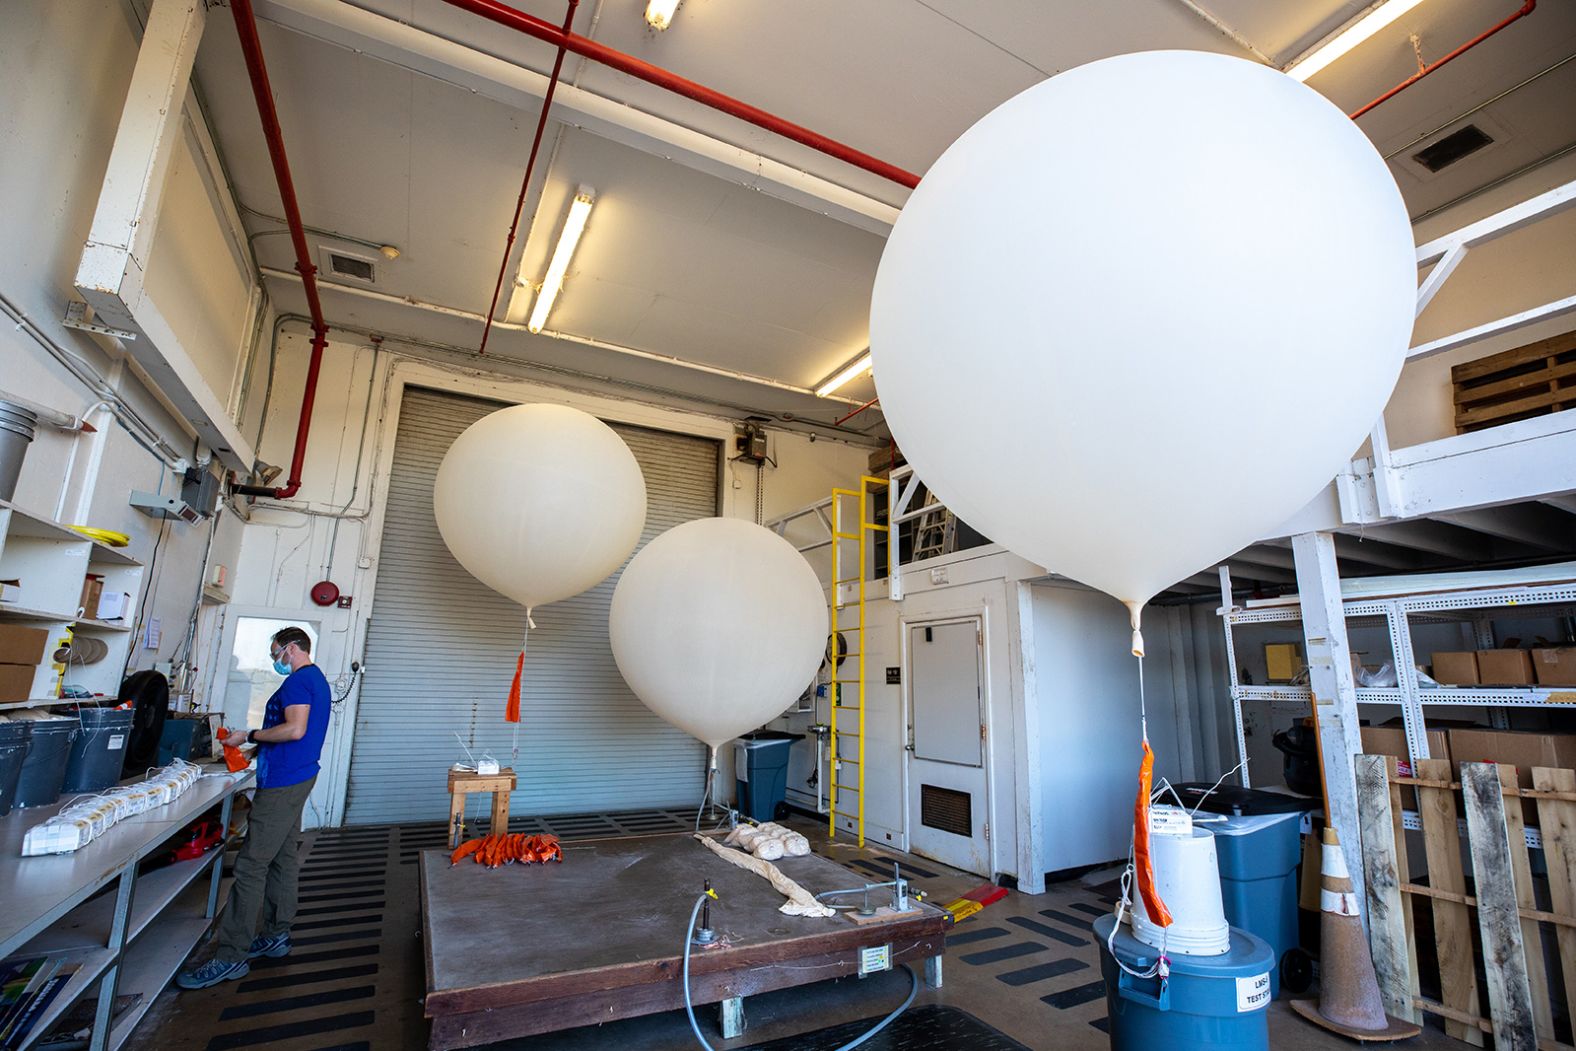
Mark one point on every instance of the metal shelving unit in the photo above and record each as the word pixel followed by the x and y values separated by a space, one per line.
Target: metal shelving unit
pixel 1475 605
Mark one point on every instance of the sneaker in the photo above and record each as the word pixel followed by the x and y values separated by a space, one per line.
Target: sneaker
pixel 275 945
pixel 212 973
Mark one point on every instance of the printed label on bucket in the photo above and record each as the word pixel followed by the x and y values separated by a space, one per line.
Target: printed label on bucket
pixel 1253 992
pixel 116 741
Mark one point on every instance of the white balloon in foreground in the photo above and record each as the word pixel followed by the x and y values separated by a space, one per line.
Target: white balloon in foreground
pixel 540 502
pixel 717 626
pixel 1138 315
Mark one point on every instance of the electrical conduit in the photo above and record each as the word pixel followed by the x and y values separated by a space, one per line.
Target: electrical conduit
pixel 1526 9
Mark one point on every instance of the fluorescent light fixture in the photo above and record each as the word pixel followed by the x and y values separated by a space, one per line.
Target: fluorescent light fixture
pixel 858 367
pixel 659 13
pixel 1333 47
pixel 553 283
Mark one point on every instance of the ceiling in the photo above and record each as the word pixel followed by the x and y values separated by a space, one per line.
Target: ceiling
pixel 705 263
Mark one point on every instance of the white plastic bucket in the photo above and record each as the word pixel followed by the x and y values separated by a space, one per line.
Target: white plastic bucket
pixel 1187 876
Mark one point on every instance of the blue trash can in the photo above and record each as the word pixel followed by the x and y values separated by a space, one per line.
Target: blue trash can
pixel 761 767
pixel 1259 854
pixel 1218 1002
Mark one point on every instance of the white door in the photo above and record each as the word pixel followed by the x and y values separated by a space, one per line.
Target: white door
pixel 948 797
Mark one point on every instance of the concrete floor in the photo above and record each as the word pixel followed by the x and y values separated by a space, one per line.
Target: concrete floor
pixel 1026 966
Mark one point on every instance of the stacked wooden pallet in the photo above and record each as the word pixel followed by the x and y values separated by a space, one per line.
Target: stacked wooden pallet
pixel 1500 925
pixel 1534 380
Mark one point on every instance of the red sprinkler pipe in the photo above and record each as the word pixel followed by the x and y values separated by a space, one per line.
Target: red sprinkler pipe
pixel 1526 9
pixel 252 52
pixel 525 181
pixel 625 63
pixel 856 412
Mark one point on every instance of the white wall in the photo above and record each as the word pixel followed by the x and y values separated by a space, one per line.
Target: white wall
pixel 67 66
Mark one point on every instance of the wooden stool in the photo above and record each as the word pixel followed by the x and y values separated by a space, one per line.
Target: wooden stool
pixel 464 782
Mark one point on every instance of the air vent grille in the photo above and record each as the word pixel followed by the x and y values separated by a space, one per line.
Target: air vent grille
pixel 1450 149
pixel 946 809
pixel 353 267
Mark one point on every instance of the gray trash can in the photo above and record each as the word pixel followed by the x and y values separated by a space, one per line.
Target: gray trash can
pixel 99 750
pixel 44 770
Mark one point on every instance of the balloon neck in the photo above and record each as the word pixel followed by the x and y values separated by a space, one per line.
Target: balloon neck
pixel 713 758
pixel 529 623
pixel 1134 609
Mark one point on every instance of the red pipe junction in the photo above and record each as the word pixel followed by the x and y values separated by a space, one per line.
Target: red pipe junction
pixel 252 52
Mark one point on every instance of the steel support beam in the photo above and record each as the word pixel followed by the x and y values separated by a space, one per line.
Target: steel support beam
pixel 1536 527
pixel 1334 688
pixel 114 261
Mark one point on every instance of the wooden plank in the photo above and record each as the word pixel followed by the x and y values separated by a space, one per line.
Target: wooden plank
pixel 1436 808
pixel 1387 929
pixel 1467 899
pixel 1528 404
pixel 1499 923
pixel 1526 899
pixel 1471 370
pixel 1513 384
pixel 1557 823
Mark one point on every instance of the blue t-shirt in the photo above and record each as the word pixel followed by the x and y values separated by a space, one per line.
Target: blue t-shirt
pixel 286 763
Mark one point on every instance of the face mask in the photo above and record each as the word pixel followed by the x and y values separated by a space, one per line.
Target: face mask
pixel 282 667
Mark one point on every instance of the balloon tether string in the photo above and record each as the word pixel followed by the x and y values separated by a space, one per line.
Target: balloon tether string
pixel 525 640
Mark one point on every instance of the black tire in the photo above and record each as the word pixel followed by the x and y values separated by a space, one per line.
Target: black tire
pixel 780 812
pixel 1296 971
pixel 149 693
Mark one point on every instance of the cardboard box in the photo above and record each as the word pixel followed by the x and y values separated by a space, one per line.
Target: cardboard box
pixel 886 458
pixel 1504 667
pixel 16 681
pixel 22 645
pixel 1556 667
pixel 1391 740
pixel 92 591
pixel 1455 668
pixel 114 605
pixel 10 591
pixel 1283 661
pixel 1521 750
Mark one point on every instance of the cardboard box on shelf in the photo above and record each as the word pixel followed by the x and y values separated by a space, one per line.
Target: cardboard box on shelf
pixel 1521 750
pixel 1391 740
pixel 1555 667
pixel 885 458
pixel 1455 668
pixel 1283 660
pixel 92 591
pixel 1504 667
pixel 22 645
pixel 16 681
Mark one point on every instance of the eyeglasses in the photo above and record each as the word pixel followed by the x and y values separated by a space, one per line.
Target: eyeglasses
pixel 279 654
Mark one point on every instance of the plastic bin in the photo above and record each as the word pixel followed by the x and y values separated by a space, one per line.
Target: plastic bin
pixel 184 739
pixel 761 766
pixel 15 743
pixel 99 750
pixel 1259 854
pixel 44 770
pixel 1218 1002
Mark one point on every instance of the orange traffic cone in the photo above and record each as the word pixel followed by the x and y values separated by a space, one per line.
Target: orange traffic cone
pixel 1349 1002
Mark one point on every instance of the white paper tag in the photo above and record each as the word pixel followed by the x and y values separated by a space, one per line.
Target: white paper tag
pixel 1253 993
pixel 1169 821
pixel 116 742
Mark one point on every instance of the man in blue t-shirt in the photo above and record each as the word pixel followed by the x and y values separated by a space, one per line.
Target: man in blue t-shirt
pixel 269 864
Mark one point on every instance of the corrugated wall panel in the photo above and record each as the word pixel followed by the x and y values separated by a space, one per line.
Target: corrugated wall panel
pixel 441 649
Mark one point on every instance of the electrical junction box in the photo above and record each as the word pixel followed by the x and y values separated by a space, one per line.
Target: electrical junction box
pixel 200 490
pixel 751 441
pixel 875 958
pixel 156 506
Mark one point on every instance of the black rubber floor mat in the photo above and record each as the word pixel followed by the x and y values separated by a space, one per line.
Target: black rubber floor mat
pixel 932 1027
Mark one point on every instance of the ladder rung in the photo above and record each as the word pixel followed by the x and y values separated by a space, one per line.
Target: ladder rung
pixel 840 759
pixel 846 536
pixel 847 580
pixel 848 788
pixel 877 528
pixel 844 813
pixel 846 707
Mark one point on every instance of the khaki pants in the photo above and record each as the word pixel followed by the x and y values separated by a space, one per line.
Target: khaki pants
pixel 266 871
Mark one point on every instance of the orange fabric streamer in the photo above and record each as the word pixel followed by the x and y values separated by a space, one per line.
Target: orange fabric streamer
pixel 1144 868
pixel 512 712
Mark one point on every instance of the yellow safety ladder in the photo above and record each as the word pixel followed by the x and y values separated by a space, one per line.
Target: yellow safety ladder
pixel 838 701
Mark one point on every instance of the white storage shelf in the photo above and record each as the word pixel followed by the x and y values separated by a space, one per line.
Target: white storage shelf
pixel 51 562
pixel 1476 607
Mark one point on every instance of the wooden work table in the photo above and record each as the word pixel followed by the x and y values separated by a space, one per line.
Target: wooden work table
pixel 522 950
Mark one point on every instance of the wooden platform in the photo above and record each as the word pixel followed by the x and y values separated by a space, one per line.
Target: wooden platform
pixel 523 950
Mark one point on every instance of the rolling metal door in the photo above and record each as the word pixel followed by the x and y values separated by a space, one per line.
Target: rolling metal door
pixel 441 651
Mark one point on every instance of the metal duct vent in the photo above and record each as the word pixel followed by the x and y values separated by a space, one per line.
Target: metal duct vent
pixel 1453 147
pixel 946 809
pixel 351 266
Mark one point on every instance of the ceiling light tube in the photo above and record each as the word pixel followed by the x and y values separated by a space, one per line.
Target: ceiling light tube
pixel 553 283
pixel 1333 47
pixel 659 13
pixel 851 371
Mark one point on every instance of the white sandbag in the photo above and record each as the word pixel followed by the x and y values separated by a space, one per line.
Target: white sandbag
pixel 769 849
pixel 796 846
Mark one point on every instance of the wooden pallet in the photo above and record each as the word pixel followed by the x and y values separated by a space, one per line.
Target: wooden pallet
pixel 1499 923
pixel 1534 380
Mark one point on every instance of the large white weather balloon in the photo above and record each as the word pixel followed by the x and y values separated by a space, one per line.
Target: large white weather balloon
pixel 718 625
pixel 540 502
pixel 1139 314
